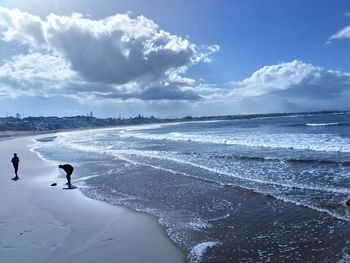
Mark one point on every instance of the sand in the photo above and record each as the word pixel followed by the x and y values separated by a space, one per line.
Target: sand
pixel 43 223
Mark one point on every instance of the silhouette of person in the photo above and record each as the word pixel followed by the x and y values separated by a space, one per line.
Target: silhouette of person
pixel 15 162
pixel 348 202
pixel 69 170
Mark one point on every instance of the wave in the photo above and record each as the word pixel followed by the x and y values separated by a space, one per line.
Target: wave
pixel 324 124
pixel 310 124
pixel 127 155
pixel 281 159
pixel 293 141
pixel 219 217
pixel 316 208
pixel 307 187
pixel 197 252
pixel 251 183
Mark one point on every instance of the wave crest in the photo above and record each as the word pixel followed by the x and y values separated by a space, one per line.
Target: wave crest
pixel 323 124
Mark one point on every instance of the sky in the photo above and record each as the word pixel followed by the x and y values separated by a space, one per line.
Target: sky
pixel 173 58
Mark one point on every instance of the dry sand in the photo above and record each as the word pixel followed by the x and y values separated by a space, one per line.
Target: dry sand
pixel 41 223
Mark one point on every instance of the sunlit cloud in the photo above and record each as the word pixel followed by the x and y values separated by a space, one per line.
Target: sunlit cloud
pixel 106 54
pixel 295 78
pixel 287 86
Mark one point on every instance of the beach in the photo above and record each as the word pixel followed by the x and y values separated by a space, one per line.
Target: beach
pixel 43 223
pixel 259 190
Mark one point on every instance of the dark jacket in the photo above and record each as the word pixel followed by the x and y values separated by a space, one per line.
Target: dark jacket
pixel 15 160
pixel 68 168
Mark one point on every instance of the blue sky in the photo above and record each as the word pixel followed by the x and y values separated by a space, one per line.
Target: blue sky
pixel 173 58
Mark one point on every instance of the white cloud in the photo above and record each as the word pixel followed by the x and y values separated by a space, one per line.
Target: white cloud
pixel 21 26
pixel 284 87
pixel 112 52
pixel 273 78
pixel 50 74
pixel 48 67
pixel 296 79
pixel 344 33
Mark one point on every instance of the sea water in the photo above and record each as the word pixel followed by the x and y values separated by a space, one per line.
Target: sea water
pixel 269 189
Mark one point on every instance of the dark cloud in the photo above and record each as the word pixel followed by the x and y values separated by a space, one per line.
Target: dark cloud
pixel 158 93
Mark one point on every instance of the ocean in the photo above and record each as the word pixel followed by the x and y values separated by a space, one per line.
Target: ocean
pixel 269 189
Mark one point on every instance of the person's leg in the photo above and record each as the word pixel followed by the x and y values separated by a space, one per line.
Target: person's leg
pixel 68 180
pixel 16 170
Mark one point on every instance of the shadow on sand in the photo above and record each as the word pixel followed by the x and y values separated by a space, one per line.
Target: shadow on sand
pixel 71 188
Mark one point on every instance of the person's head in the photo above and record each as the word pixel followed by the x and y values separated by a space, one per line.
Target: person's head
pixel 15 154
pixel 60 166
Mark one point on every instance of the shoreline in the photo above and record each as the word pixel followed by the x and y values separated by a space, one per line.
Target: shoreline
pixel 49 224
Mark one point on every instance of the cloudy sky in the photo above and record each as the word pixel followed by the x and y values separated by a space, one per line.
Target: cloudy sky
pixel 172 58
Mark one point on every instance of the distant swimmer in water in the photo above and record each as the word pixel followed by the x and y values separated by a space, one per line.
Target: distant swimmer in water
pixel 15 162
pixel 69 170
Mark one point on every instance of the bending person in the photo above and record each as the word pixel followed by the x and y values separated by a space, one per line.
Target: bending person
pixel 69 170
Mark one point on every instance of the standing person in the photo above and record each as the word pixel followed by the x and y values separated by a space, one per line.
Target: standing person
pixel 69 170
pixel 15 162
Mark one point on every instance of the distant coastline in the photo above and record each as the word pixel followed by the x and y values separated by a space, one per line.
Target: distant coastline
pixel 13 126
